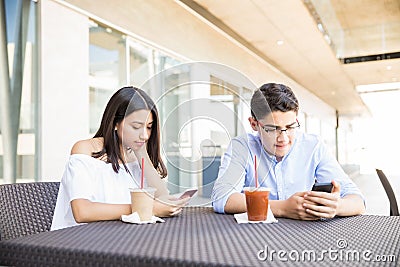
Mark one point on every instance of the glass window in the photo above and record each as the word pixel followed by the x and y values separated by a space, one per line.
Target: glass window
pixel 139 66
pixel 21 32
pixel 28 81
pixel 163 61
pixel 117 60
pixel 107 68
pixel 176 137
pixel 25 166
pixel 228 94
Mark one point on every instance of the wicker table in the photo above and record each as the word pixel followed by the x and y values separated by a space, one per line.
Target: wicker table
pixel 199 237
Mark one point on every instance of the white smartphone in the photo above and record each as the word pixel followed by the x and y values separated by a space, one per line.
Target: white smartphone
pixel 188 193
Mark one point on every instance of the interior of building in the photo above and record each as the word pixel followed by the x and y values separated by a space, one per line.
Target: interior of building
pixel 201 61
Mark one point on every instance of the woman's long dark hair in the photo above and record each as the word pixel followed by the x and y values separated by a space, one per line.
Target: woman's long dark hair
pixel 125 101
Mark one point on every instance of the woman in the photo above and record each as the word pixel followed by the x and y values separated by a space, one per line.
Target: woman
pixel 100 171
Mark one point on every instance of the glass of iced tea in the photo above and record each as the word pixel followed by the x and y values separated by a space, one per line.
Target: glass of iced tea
pixel 257 203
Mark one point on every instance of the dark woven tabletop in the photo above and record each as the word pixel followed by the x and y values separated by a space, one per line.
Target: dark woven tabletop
pixel 199 237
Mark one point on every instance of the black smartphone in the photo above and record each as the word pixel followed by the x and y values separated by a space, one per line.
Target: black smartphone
pixel 323 187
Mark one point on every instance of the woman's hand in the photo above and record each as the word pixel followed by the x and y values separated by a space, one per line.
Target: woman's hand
pixel 325 205
pixel 167 205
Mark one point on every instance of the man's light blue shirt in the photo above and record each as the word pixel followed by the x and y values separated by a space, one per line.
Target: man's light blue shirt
pixel 308 160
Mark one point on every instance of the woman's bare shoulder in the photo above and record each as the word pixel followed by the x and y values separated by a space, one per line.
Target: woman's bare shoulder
pixel 88 146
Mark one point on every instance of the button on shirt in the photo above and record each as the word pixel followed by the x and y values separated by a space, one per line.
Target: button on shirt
pixel 308 160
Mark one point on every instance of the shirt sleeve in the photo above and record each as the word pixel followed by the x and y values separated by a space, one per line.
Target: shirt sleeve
pixel 329 169
pixel 78 179
pixel 231 175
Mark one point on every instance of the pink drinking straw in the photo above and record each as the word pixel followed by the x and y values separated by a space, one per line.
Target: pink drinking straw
pixel 142 176
pixel 255 170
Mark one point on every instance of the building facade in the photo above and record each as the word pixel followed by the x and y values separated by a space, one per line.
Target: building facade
pixel 78 52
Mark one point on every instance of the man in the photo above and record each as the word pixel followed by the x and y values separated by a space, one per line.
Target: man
pixel 289 162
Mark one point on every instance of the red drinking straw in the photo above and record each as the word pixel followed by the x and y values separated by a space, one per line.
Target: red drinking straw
pixel 142 177
pixel 255 170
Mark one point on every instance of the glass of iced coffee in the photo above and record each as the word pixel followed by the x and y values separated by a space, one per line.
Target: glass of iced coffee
pixel 142 200
pixel 257 203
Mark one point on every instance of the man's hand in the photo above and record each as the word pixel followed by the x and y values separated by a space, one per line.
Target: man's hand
pixel 323 205
pixel 293 207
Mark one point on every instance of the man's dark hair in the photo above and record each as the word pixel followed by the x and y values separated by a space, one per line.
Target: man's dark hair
pixel 273 97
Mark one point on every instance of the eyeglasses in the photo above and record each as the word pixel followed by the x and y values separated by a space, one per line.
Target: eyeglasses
pixel 275 131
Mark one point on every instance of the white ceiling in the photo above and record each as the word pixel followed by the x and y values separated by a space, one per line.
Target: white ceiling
pixel 357 28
